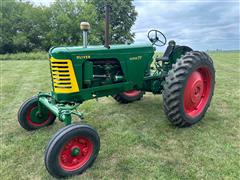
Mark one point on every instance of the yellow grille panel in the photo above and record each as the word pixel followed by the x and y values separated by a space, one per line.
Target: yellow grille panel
pixel 63 76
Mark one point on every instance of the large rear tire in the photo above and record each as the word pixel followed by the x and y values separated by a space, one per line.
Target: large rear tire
pixel 189 89
pixel 128 96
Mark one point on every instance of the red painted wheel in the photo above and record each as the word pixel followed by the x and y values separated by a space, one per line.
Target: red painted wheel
pixel 128 96
pixel 72 150
pixel 31 119
pixel 197 91
pixel 189 89
pixel 132 93
pixel 75 153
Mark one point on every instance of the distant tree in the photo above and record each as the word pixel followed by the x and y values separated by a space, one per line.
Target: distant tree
pixel 26 27
pixel 8 23
pixel 23 27
pixel 123 16
pixel 66 16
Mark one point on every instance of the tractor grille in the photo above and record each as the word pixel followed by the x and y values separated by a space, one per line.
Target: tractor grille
pixel 63 76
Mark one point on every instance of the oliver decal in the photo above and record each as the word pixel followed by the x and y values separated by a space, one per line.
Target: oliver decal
pixel 83 57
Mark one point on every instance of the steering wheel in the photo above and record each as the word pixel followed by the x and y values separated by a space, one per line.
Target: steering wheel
pixel 153 36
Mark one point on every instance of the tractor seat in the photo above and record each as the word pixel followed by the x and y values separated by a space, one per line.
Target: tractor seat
pixel 167 53
pixel 163 59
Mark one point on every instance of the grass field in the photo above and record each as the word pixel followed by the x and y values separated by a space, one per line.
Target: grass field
pixel 137 141
pixel 41 55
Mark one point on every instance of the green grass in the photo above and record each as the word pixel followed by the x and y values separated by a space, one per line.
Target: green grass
pixel 137 141
pixel 41 55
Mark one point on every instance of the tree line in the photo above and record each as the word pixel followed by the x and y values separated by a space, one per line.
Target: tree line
pixel 27 27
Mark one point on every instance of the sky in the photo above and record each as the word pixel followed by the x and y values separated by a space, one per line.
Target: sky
pixel 200 24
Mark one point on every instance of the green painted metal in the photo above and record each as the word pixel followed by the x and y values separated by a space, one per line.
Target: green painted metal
pixel 88 73
pixel 178 52
pixel 104 71
pixel 134 61
pixel 52 107
pixel 75 152
pixel 62 111
pixel 39 117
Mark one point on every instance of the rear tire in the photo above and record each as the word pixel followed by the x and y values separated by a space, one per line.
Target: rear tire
pixel 128 96
pixel 189 89
pixel 72 150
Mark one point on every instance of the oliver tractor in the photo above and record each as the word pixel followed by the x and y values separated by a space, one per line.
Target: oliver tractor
pixel 184 77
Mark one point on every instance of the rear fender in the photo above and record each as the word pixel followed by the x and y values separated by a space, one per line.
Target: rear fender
pixel 177 52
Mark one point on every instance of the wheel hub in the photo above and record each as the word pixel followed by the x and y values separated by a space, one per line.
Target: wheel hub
pixel 39 114
pixel 197 91
pixel 75 153
pixel 38 117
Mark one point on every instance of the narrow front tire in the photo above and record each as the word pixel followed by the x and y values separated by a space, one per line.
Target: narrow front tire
pixel 30 119
pixel 72 150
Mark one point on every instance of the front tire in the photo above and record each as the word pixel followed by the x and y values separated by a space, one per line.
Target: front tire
pixel 72 150
pixel 128 96
pixel 30 119
pixel 189 89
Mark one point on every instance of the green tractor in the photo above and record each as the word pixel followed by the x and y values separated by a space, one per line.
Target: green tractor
pixel 184 77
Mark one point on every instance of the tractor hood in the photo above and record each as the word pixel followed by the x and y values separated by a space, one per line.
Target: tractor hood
pixel 71 52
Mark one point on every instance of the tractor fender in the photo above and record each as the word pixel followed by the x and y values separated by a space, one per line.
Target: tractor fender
pixel 177 52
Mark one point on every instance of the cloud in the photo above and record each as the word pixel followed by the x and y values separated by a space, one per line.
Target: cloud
pixel 201 24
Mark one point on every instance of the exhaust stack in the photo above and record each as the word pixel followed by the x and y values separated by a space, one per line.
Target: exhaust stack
pixel 85 26
pixel 107 21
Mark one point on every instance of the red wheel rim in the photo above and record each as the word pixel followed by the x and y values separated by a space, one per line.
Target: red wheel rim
pixel 197 91
pixel 75 153
pixel 132 93
pixel 31 122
